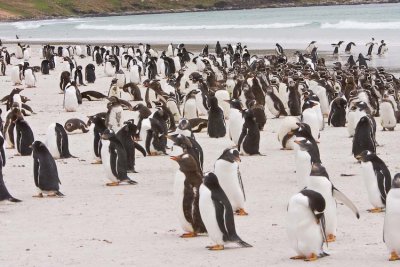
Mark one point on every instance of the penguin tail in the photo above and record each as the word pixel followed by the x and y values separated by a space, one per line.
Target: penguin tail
pixel 323 254
pixel 132 182
pixel 59 194
pixel 244 244
pixel 15 200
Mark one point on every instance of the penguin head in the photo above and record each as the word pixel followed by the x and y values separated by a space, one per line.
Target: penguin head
pixel 365 156
pixel 180 141
pixel 211 180
pixel 186 162
pixel 318 170
pixel 107 134
pixel 184 124
pixel 304 144
pixel 37 146
pixel 231 155
pixel 316 203
pixel 235 104
pixel 396 181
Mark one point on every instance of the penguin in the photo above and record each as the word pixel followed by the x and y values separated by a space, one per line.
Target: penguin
pixel 114 159
pixel 236 120
pixel 45 67
pixel 274 103
pixel 126 136
pixel 355 113
pixel 226 168
pixel 387 112
pixel 306 225
pixel 30 79
pixel 109 68
pixel 348 47
pixel 75 126
pixel 99 121
pixel 45 171
pixel 185 128
pixel 249 140
pixel 305 157
pixel 377 179
pixel 287 131
pixel 294 100
pixel 92 95
pixel 90 74
pixel 16 75
pixel 65 79
pixel 370 47
pixel 364 137
pixel 57 141
pixel 337 113
pixel 362 61
pixel 310 117
pixel 310 47
pixel 114 118
pixel 391 235
pixel 189 106
pixel 78 77
pixel 217 214
pixel 23 137
pixel 382 49
pixel 279 49
pixel 318 181
pixel 71 98
pixel 4 194
pixel 186 191
pixel 156 134
pixel 186 144
pixel 133 90
pixel 216 123
pixel 336 46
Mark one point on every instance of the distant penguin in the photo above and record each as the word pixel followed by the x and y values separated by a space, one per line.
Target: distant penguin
pixel 306 225
pixel 216 123
pixel 294 101
pixel 90 74
pixel 156 135
pixel 355 113
pixel 71 98
pixel 186 191
pixel 65 79
pixel 45 171
pixel 217 214
pixel 93 95
pixel 336 50
pixel 30 79
pixel 189 106
pixel 362 61
pixel 249 140
pixel 4 194
pixel 391 234
pixel 114 120
pixel 16 75
pixel 23 137
pixel 279 49
pixel 57 141
pixel 387 112
pixel 382 49
pixel 114 159
pixel 227 170
pixel 236 120
pixel 76 126
pixel 337 114
pixel 377 179
pixel 364 137
pixel 45 67
pixel 99 122
pixel 78 77
pixel 348 47
pixel 287 131
pixel 274 104
pixel 109 69
pixel 126 136
pixel 310 117
pixel 371 47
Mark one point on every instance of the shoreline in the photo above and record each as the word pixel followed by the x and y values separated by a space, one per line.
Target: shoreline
pixel 195 10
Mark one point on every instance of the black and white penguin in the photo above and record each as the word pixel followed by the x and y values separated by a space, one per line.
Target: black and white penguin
pixel 65 79
pixel 362 61
pixel 274 103
pixel 45 67
pixel 75 126
pixel 57 141
pixel 93 95
pixel 279 49
pixel 4 194
pixel 133 90
pixel 249 140
pixel 391 234
pixel 382 49
pixel 99 122
pixel 186 191
pixel 216 123
pixel 348 47
pixel 90 74
pixel 217 214
pixel 377 179
pixel 306 225
pixel 78 76
pixel 364 137
pixel 114 159
pixel 236 120
pixel 337 114
pixel 126 136
pixel 336 46
pixel 310 117
pixel 186 144
pixel 226 168
pixel 355 113
pixel 72 97
pixel 371 47
pixel 114 120
pixel 23 137
pixel 387 112
pixel 189 106
pixel 287 131
pixel 45 171
pixel 156 134
pixel 305 157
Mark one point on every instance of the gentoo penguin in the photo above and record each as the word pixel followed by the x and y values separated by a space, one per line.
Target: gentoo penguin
pixel 391 234
pixel 186 190
pixel 99 122
pixel 274 104
pixel 370 47
pixel 388 117
pixel 109 68
pixel 29 77
pixel 364 137
pixel 249 140
pixel 217 214
pixel 226 168
pixel 93 95
pixel 306 225
pixel 114 119
pixel 287 131
pixel 189 106
pixel 355 113
pixel 156 134
pixel 310 117
pixel 337 114
pixel 78 76
pixel 305 157
pixel 216 123
pixel 382 49
pixel 114 159
pixel 23 137
pixel 45 171
pixel 236 120
pixel 377 179
pixel 348 47
pixel 186 144
pixel 185 128
pixel 310 47
pixel 76 126
pixel 65 79
pixel 4 194
pixel 45 67
pixel 336 46
pixel 319 182
pixel 90 74
pixel 126 136
pixel 71 98
pixel 57 141
pixel 16 75
pixel 362 61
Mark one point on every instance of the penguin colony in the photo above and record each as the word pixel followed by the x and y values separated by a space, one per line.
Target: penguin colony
pixel 229 94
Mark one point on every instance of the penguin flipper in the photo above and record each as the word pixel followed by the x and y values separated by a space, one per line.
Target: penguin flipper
pixel 244 244
pixel 14 200
pixel 114 162
pixel 343 198
pixel 140 148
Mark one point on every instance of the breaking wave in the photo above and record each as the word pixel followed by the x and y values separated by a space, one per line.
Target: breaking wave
pixel 348 24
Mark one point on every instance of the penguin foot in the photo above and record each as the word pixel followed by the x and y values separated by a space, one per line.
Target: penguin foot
pixel 112 184
pixel 215 247
pixel 298 258
pixel 130 182
pixel 394 256
pixel 55 194
pixel 10 147
pixel 313 257
pixel 376 210
pixel 97 161
pixel 38 195
pixel 241 212
pixel 331 238
pixel 188 235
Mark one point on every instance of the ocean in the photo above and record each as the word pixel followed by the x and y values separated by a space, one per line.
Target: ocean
pixel 293 28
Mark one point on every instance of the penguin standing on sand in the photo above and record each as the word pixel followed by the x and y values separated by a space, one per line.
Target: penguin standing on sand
pixel 377 179
pixel 186 190
pixel 249 140
pixel 78 77
pixel 226 168
pixel 217 214
pixel 305 157
pixel 310 117
pixel 114 119
pixel 45 67
pixel 388 116
pixel 186 144
pixel 90 74
pixel 114 159
pixel 364 137
pixel 216 123
pixel 99 121
pixel 45 171
pixel 190 107
pixel 57 141
pixel 337 114
pixel 71 98
pixel 382 49
pixel 391 234
pixel 371 47
pixel 306 225
pixel 236 120
pixel 4 194
pixel 23 137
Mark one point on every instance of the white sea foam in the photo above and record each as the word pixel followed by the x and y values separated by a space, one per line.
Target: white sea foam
pixel 362 25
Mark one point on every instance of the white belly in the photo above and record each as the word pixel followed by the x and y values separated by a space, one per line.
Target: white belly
pixel 371 183
pixel 270 104
pixel 29 78
pixel 221 96
pixel 392 221
pixel 105 158
pixel 179 193
pixel 310 117
pixel 200 107
pixel 51 141
pixel 109 69
pixel 70 101
pixel 190 109
pixel 15 78
pixel 388 118
pixel 303 168
pixel 235 125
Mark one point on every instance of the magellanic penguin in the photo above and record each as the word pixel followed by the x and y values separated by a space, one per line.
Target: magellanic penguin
pixel 377 179
pixel 186 190
pixel 364 137
pixel 391 234
pixel 216 123
pixel 114 159
pixel 319 181
pixel 57 141
pixel 306 225
pixel 249 140
pixel 45 171
pixel 227 170
pixel 217 214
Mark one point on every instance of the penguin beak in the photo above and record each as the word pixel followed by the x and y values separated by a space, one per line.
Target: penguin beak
pixel 174 158
pixel 297 142
pixel 359 157
pixel 30 146
pixel 237 159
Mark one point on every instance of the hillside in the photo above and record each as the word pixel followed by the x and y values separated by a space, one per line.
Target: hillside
pixel 41 9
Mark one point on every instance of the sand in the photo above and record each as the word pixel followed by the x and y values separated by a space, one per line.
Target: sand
pixel 95 225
